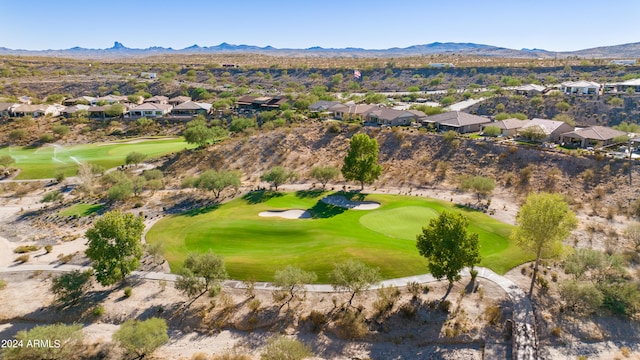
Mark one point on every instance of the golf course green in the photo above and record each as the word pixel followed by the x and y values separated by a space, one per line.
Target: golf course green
pixel 254 247
pixel 48 160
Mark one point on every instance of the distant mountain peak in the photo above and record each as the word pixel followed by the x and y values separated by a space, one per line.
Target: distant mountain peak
pixel 118 46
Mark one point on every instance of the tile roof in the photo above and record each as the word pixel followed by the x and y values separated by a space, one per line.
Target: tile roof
pixel 548 126
pixel 457 119
pixel 192 105
pixel 595 133
pixel 152 106
pixel 508 124
pixel 581 84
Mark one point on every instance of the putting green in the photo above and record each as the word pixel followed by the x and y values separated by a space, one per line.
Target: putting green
pixel 403 223
pixel 49 160
pixel 255 247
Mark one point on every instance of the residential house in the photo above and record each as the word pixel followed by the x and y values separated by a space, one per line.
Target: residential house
pixel 191 108
pixel 629 62
pixel 596 136
pixel 553 129
pixel 529 90
pixel 623 86
pixel 581 87
pixel 150 109
pixel 457 121
pixel 85 100
pixel 35 110
pixel 69 111
pixel 352 111
pixel 321 106
pixel 509 127
pixel 179 100
pixel 111 99
pixel 6 109
pixel 158 99
pixel 393 117
pixel 105 112
pixel 253 103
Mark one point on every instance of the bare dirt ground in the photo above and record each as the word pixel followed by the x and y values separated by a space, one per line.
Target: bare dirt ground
pixel 228 323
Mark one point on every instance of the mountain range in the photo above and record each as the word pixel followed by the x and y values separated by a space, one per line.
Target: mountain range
pixel 631 50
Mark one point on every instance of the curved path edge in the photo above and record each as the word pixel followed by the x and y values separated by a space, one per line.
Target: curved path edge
pixel 525 340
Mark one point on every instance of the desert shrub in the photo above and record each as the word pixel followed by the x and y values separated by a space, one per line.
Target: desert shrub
pixel 414 288
pixel 254 304
pixel 47 138
pixel 493 314
pixel 387 297
pixel 98 311
pixel 26 248
pixel 556 331
pixel 444 306
pixel 408 310
pixel 141 337
pixel 317 320
pixel 69 337
pixel 351 325
pixel 3 284
pixel 128 291
pixel 52 196
pixel 22 258
pixel 284 348
pixel 333 127
pixel 230 356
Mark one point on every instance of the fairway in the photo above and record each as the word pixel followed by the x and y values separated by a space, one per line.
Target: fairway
pixel 48 160
pixel 254 247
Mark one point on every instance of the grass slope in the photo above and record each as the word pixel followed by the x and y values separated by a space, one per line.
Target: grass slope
pixel 254 247
pixel 48 160
pixel 81 210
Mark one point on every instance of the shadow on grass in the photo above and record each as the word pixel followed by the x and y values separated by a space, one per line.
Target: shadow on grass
pixel 309 194
pixel 322 210
pixel 260 196
pixel 352 195
pixel 202 210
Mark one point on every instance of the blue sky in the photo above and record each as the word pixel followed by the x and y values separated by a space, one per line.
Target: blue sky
pixel 559 25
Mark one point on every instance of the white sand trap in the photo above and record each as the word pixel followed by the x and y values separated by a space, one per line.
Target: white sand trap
pixel 287 214
pixel 341 201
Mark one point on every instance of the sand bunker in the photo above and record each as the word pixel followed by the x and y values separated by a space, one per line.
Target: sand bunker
pixel 341 201
pixel 287 214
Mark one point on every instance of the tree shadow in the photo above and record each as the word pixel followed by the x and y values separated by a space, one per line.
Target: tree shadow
pixel 352 195
pixel 260 196
pixel 201 211
pixel 309 194
pixel 322 210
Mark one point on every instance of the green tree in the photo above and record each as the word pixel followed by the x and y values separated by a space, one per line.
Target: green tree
pixel 69 288
pixel 543 222
pixel 239 124
pixel 121 190
pixel 581 297
pixel 114 246
pixel 69 337
pixel 532 133
pixel 199 273
pixel 361 162
pixel 563 106
pixel 6 160
pixel 481 185
pixel 292 280
pixel 138 184
pixel 197 132
pixel 277 176
pixel 135 158
pixel 216 181
pixel 142 338
pixel 448 246
pixel 115 110
pixel 491 130
pixel 324 174
pixel 353 276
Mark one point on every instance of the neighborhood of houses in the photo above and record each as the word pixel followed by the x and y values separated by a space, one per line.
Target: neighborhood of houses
pixel 183 107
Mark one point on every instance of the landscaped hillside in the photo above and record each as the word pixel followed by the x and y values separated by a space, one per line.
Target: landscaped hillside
pixel 416 159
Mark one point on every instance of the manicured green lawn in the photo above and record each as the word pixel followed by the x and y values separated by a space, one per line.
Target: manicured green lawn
pixel 48 160
pixel 254 247
pixel 81 210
